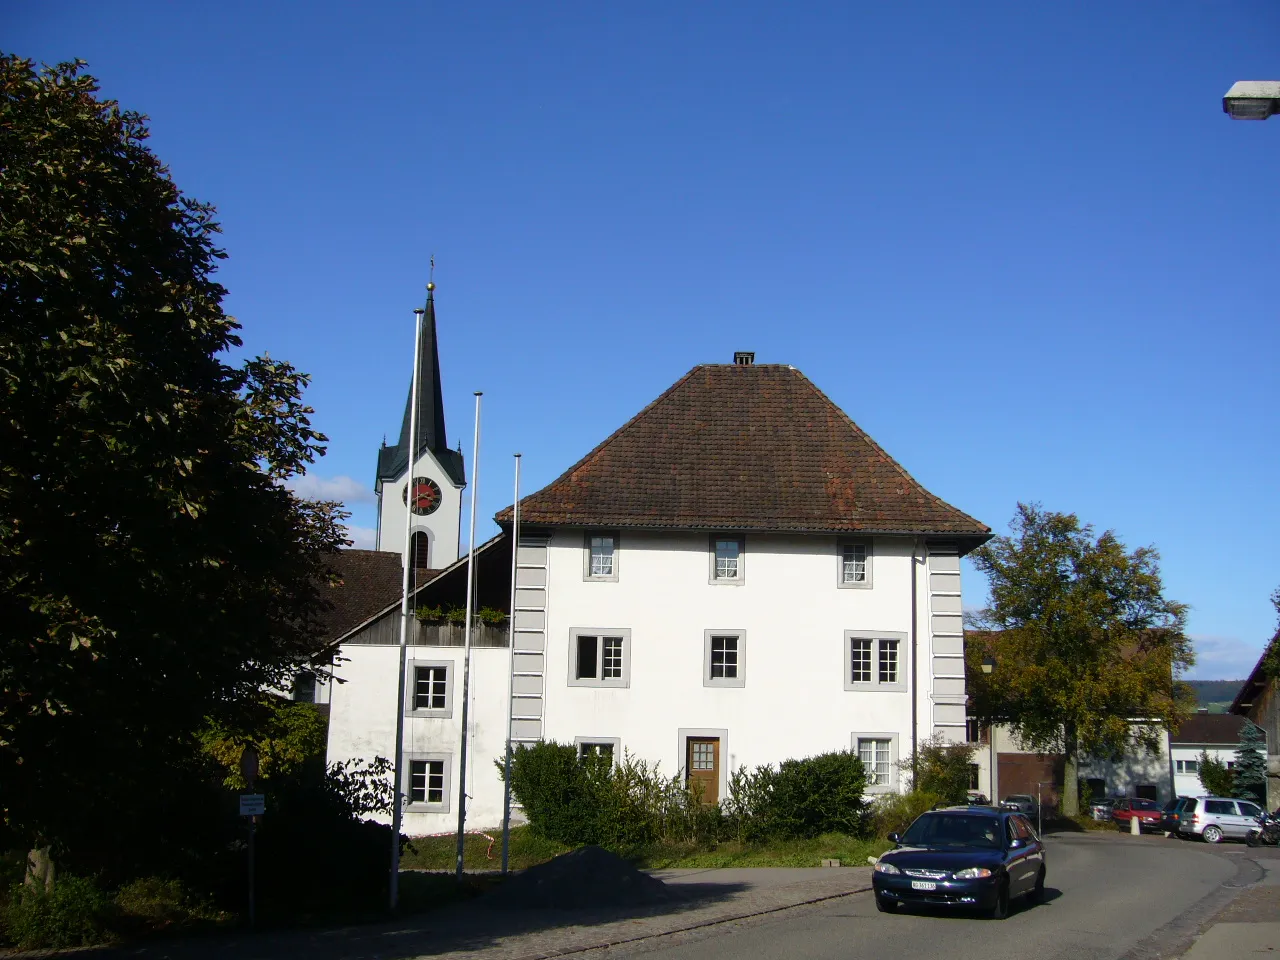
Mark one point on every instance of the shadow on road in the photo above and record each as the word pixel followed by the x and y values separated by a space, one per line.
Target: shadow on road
pixel 473 925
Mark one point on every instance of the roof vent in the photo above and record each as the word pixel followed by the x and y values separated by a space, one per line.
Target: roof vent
pixel 744 358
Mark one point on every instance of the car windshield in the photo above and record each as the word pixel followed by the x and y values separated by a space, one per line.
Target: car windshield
pixel 1145 805
pixel 953 830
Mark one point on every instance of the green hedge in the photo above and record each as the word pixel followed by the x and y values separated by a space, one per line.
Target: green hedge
pixel 629 804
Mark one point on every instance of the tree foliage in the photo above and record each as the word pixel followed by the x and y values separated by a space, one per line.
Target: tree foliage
pixel 154 571
pixel 1084 640
pixel 286 735
pixel 1249 778
pixel 1214 776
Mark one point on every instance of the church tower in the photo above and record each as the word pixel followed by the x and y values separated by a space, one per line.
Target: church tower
pixel 438 474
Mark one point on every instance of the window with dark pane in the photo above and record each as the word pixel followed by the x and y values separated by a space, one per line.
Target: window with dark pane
pixel 588 658
pixel 587 749
pixel 888 661
pixel 724 658
pixel 426 781
pixel 860 661
pixel 612 658
pixel 430 688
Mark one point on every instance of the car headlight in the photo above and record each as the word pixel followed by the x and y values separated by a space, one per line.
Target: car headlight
pixel 882 867
pixel 972 873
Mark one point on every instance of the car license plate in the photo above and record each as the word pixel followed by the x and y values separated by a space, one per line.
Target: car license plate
pixel 923 885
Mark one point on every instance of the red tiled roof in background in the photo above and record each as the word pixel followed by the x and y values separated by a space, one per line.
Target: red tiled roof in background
pixel 744 447
pixel 369 581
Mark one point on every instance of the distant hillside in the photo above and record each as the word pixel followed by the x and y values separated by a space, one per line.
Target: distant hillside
pixel 1216 695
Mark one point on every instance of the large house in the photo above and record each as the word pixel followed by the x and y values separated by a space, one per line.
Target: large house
pixel 1259 700
pixel 737 575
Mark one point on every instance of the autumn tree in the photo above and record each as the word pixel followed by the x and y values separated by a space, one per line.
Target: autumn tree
pixel 1084 640
pixel 155 572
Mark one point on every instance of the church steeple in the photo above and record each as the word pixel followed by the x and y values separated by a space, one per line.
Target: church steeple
pixel 394 461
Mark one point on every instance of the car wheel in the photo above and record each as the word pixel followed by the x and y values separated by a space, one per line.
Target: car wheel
pixel 1212 834
pixel 1037 892
pixel 1001 909
pixel 886 906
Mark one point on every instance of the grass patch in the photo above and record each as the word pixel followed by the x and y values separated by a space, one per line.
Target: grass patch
pixel 528 849
pixel 440 853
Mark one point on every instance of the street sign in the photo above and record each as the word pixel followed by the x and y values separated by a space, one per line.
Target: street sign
pixel 252 804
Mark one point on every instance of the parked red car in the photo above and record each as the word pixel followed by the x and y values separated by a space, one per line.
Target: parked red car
pixel 1148 813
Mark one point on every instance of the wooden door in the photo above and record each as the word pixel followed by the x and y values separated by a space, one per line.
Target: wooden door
pixel 702 761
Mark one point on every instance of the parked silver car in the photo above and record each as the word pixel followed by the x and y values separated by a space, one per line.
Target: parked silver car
pixel 1215 819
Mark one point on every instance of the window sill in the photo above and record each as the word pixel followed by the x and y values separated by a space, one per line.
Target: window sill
pixel 445 714
pixel 604 684
pixel 852 686
pixel 736 683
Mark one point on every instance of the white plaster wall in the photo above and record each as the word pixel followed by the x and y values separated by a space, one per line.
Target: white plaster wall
pixel 363 715
pixel 793 703
pixel 1188 784
pixel 442 526
pixel 1136 768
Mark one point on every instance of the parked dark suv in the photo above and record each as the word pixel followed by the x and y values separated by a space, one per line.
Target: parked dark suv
pixel 979 857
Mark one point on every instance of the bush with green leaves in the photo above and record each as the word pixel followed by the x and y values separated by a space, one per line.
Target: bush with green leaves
pixel 74 913
pixel 798 799
pixel 894 812
pixel 940 768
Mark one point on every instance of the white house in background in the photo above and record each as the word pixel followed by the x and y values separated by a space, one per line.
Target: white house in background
pixel 438 473
pixel 738 575
pixel 1217 734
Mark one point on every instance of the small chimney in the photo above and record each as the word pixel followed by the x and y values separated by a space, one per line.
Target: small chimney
pixel 744 358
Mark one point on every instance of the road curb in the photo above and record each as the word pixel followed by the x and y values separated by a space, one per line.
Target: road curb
pixel 715 921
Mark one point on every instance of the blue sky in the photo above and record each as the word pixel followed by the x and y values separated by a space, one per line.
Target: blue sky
pixel 1019 244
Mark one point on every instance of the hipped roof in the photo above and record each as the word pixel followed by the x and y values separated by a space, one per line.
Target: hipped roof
pixel 745 447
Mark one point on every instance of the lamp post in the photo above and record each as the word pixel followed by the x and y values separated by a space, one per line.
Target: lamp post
pixel 1252 99
pixel 988 667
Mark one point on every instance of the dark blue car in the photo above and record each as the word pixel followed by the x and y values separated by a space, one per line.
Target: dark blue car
pixel 975 857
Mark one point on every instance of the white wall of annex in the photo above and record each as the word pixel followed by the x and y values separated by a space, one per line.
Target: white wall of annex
pixel 1188 784
pixel 793 703
pixel 362 725
pixel 442 526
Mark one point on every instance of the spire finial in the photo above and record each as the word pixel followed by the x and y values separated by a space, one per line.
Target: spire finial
pixel 431 277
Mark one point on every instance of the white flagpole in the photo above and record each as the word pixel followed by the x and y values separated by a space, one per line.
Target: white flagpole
pixel 397 765
pixel 466 648
pixel 511 674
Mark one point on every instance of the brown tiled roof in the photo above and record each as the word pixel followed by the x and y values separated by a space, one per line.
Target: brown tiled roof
pixel 368 582
pixel 1222 728
pixel 750 447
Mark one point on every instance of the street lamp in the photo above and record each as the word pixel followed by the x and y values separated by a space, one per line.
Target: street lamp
pixel 1252 99
pixel 988 667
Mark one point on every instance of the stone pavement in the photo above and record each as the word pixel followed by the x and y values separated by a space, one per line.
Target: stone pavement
pixel 477 931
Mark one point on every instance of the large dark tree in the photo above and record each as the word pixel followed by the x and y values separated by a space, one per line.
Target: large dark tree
pixel 154 571
pixel 1088 649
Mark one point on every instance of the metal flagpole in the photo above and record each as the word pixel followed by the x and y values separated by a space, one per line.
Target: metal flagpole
pixel 466 643
pixel 511 674
pixel 398 775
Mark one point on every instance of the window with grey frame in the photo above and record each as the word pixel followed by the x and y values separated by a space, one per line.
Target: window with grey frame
pixel 724 658
pixel 600 658
pixel 728 559
pixel 426 781
pixel 597 748
pixel 876 754
pixel 600 560
pixel 855 564
pixel 873 661
pixel 430 691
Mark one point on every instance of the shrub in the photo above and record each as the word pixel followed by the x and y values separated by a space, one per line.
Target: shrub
pixel 940 768
pixel 894 812
pixel 799 799
pixel 75 913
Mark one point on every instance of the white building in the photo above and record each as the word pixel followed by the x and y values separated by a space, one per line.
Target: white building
pixel 737 576
pixel 1217 734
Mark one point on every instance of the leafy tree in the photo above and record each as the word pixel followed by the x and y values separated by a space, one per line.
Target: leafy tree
pixel 1214 776
pixel 1271 658
pixel 941 769
pixel 1249 778
pixel 1084 641
pixel 286 735
pixel 154 570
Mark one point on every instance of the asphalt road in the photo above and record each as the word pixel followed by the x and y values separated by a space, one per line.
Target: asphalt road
pixel 1105 900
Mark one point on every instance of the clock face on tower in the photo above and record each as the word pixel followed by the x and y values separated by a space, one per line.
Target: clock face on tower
pixel 425 496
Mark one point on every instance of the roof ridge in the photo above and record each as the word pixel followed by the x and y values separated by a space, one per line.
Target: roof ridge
pixel 938 501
